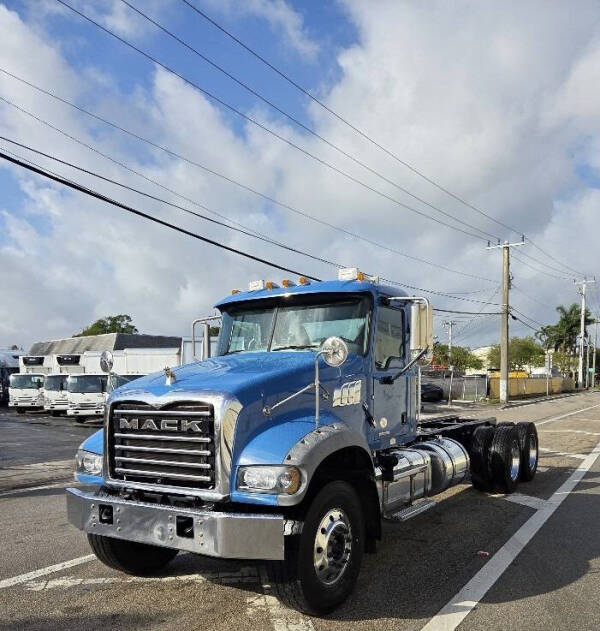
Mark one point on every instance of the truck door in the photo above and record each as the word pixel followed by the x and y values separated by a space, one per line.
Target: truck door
pixel 391 403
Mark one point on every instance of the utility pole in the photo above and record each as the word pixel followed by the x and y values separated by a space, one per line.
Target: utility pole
pixel 583 284
pixel 505 314
pixel 449 324
pixel 594 355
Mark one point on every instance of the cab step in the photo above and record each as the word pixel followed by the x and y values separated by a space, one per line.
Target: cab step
pixel 411 511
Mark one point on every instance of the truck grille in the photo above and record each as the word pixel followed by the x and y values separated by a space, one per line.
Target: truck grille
pixel 87 406
pixel 170 446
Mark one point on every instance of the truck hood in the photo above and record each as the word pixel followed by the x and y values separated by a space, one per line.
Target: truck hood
pixel 247 376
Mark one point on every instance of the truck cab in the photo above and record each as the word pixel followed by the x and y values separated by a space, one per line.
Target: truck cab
pixel 25 391
pixel 86 395
pixel 55 394
pixel 291 445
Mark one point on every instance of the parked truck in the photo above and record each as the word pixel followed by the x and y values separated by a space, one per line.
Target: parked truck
pixel 25 388
pixel 291 446
pixel 56 398
pixel 86 395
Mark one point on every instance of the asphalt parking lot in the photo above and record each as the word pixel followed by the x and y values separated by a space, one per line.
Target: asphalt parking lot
pixel 475 561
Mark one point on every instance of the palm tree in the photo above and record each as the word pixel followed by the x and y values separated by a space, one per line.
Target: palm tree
pixel 563 335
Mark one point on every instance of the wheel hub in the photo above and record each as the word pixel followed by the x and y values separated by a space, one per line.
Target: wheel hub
pixel 533 453
pixel 515 460
pixel 333 546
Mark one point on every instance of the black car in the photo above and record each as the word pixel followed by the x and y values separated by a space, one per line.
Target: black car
pixel 431 393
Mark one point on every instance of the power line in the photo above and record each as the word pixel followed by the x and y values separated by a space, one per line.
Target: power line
pixel 139 213
pixel 532 258
pixel 345 121
pixel 539 271
pixel 525 316
pixel 473 313
pixel 279 136
pixel 164 201
pixel 364 135
pixel 208 170
pixel 262 237
pixel 293 119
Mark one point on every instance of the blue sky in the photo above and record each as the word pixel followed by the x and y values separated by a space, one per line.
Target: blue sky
pixel 497 103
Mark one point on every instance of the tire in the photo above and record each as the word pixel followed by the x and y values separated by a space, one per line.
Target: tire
pixel 481 476
pixel 528 441
pixel 54 413
pixel 20 411
pixel 130 557
pixel 296 581
pixel 80 419
pixel 505 458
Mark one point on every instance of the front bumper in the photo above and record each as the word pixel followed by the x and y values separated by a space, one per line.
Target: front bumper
pixel 85 412
pixel 56 406
pixel 215 534
pixel 25 404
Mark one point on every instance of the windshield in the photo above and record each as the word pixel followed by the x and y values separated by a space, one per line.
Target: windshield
pixel 296 327
pixel 55 382
pixel 26 381
pixel 86 383
pixel 116 381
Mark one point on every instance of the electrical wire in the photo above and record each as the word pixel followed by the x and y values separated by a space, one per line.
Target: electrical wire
pixel 291 118
pixel 345 121
pixel 139 213
pixel 539 271
pixel 262 237
pixel 364 135
pixel 283 139
pixel 210 171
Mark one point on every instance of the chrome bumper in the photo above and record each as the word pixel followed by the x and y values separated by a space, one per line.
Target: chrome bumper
pixel 215 534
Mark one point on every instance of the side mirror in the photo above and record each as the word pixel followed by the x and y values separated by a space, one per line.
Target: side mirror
pixel 334 351
pixel 106 361
pixel 421 332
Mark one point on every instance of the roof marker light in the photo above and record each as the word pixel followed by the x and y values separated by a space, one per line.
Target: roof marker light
pixel 287 283
pixel 255 285
pixel 303 281
pixel 271 285
pixel 235 291
pixel 353 273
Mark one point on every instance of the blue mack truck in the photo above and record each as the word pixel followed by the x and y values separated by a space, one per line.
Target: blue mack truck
pixel 290 446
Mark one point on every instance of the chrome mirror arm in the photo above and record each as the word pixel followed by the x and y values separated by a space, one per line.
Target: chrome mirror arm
pixel 410 364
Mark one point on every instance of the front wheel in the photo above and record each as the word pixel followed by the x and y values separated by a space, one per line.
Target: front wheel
pixel 20 411
pixel 129 556
pixel 323 563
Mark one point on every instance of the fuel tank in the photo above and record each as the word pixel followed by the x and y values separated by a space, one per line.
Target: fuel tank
pixel 424 469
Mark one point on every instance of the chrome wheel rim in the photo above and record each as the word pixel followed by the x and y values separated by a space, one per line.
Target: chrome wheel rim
pixel 533 452
pixel 515 460
pixel 333 546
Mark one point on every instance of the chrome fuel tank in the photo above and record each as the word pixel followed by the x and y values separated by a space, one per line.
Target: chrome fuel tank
pixel 449 462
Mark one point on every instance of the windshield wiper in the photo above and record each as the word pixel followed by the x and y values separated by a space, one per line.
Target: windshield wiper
pixel 295 347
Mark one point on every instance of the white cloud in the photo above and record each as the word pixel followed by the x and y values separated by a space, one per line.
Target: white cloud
pixel 282 19
pixel 494 102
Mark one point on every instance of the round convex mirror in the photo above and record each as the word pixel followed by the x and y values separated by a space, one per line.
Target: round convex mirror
pixel 106 361
pixel 334 351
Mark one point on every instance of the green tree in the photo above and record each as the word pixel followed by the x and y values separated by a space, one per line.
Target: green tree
pixel 110 324
pixel 522 351
pixel 562 336
pixel 462 358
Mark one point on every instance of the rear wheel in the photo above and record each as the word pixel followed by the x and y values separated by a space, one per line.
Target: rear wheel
pixel 505 458
pixel 528 441
pixel 481 477
pixel 322 563
pixel 129 556
pixel 20 411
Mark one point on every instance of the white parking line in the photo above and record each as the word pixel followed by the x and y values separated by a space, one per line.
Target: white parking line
pixel 569 431
pixel 243 575
pixel 558 418
pixel 459 607
pixel 36 488
pixel 566 454
pixel 23 578
pixel 526 500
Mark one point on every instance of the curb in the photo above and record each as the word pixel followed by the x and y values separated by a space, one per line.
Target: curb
pixel 555 397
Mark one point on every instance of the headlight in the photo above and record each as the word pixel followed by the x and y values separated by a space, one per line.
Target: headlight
pixel 269 479
pixel 88 463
